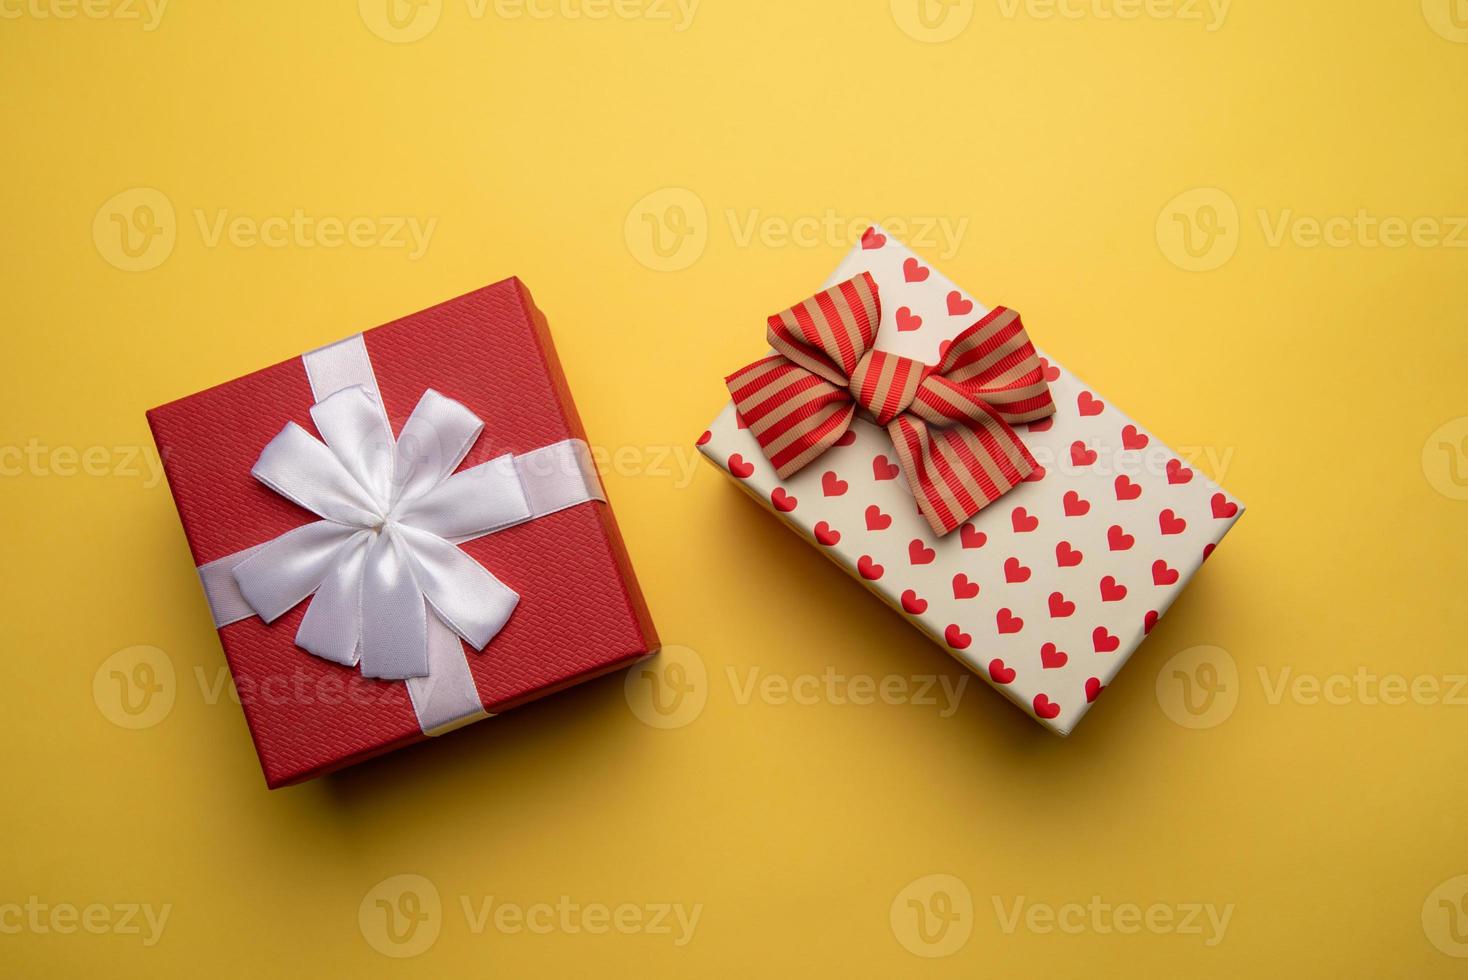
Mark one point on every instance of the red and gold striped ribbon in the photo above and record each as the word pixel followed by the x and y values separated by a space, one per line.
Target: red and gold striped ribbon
pixel 950 423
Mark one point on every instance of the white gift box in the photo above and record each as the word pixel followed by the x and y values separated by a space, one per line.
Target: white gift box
pixel 1047 591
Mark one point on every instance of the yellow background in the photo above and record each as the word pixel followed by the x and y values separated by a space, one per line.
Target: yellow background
pixel 1315 376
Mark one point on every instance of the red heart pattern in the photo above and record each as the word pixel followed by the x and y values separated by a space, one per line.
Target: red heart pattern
pixel 1014 572
pixel 1066 556
pixel 1114 507
pixel 963 588
pixel 1045 708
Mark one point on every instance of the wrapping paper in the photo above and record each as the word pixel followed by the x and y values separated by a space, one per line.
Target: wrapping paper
pixel 581 612
pixel 1046 592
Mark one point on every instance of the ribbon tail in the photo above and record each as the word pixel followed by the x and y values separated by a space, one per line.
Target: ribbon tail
pixel 447 698
pixel 332 626
pixel 957 471
pixel 285 571
pixel 795 415
pixel 994 360
pixel 394 618
pixel 474 603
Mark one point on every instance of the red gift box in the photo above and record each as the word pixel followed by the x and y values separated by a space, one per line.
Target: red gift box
pixel 580 614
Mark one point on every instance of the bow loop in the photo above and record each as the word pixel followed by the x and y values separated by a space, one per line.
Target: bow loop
pixel 828 333
pixel 380 562
pixel 950 423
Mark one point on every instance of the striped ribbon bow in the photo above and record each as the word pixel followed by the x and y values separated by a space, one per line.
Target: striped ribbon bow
pixel 949 423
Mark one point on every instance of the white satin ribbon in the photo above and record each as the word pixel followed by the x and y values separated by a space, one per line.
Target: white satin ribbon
pixel 390 589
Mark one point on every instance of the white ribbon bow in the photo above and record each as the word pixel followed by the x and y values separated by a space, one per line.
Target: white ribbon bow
pixel 385 553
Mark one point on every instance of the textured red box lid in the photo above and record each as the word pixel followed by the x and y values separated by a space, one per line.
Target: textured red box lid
pixel 581 613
